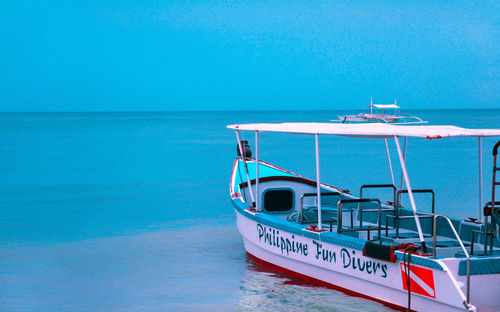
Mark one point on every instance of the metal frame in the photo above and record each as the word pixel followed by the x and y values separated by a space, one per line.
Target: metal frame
pixel 461 245
pixel 479 240
pixel 492 203
pixel 488 211
pixel 301 214
pixel 405 144
pixel 419 191
pixel 378 186
pixel 389 160
pixel 480 177
pixel 318 183
pixel 410 193
pixel 246 167
pixel 404 179
pixel 396 225
pixel 340 228
pixel 422 215
pixel 257 195
pixel 394 209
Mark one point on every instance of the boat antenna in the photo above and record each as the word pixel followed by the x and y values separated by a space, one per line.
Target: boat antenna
pixel 371 104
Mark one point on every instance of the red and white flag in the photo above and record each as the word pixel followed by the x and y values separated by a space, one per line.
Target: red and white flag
pixel 421 280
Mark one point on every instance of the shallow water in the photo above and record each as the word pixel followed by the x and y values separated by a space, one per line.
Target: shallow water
pixel 130 211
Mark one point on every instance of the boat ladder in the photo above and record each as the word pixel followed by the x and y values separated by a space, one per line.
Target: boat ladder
pixel 492 208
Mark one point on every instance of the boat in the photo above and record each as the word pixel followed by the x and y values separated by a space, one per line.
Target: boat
pixel 378 114
pixel 400 256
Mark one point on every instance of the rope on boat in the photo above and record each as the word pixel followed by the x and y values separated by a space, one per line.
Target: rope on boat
pixel 409 249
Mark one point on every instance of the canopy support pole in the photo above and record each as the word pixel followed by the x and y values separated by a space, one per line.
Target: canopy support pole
pixel 246 167
pixel 318 185
pixel 480 177
pixel 389 161
pixel 410 193
pixel 404 158
pixel 257 207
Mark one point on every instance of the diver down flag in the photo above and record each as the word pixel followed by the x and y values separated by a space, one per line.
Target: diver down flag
pixel 421 280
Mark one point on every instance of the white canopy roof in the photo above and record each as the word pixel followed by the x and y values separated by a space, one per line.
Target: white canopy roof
pixel 385 106
pixel 368 130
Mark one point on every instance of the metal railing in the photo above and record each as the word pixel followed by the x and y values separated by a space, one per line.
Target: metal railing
pixel 394 204
pixel 461 245
pixel 479 233
pixel 301 214
pixel 394 189
pixel 341 229
pixel 418 191
pixel 421 215
pixel 361 200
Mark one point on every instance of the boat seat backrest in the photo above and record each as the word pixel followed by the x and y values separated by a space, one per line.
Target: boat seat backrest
pixel 443 228
pixel 466 229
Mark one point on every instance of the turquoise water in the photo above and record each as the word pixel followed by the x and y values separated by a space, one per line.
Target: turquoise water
pixel 131 211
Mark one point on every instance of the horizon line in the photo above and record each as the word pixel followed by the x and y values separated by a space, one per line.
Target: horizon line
pixel 227 111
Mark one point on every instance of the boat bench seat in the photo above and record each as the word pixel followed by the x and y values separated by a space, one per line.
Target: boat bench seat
pixel 480 265
pixel 467 228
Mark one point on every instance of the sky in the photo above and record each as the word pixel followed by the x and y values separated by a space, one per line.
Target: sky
pixel 100 55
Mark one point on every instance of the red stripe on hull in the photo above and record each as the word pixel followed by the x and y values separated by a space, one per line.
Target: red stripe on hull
pixel 323 283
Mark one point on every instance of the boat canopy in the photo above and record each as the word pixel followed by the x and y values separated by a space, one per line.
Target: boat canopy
pixel 371 130
pixel 385 105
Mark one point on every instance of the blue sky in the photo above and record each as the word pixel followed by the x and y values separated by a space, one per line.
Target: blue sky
pixel 99 55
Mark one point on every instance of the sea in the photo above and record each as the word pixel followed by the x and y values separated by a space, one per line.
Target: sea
pixel 132 212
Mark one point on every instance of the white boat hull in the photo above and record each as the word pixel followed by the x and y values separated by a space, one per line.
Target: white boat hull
pixel 348 270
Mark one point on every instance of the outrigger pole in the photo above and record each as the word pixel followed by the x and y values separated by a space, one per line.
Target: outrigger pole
pixel 410 193
pixel 246 167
